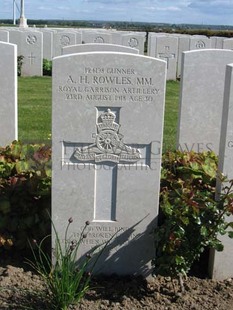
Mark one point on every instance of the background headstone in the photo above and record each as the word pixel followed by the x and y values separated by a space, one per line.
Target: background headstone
pixel 47 44
pixel 8 94
pixel 32 51
pixel 217 42
pixel 4 36
pixel 135 40
pixel 100 47
pixel 61 39
pixel 107 132
pixel 221 262
pixel 201 99
pixel 183 46
pixel 199 43
pixel 228 44
pixel 15 38
pixel 166 48
pixel 96 37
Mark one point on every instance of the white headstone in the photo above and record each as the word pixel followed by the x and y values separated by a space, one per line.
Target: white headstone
pixel 117 37
pixel 32 51
pixel 135 40
pixel 61 39
pixel 217 42
pixel 4 36
pixel 97 47
pixel 201 99
pixel 47 44
pixel 8 94
pixel 183 46
pixel 228 44
pixel 14 38
pixel 95 37
pixel 199 43
pixel 78 37
pixel 221 262
pixel 166 48
pixel 107 130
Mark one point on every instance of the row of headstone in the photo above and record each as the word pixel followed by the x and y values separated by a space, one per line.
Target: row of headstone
pixel 47 43
pixel 35 44
pixel 106 159
pixel 171 46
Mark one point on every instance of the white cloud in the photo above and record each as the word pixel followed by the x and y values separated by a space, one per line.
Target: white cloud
pixel 169 8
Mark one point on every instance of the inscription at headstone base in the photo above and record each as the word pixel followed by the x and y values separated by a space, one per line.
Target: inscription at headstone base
pixel 107 132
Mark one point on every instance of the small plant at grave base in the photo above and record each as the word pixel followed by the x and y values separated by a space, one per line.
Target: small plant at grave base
pixel 47 67
pixel 192 219
pixel 19 64
pixel 67 281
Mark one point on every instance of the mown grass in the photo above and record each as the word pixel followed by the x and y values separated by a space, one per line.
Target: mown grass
pixel 35 100
pixel 171 115
pixel 34 109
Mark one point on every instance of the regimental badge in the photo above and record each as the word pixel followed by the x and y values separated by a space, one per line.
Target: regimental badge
pixel 109 145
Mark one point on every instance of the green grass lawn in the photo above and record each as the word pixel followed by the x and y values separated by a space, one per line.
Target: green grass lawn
pixel 35 98
pixel 171 115
pixel 34 110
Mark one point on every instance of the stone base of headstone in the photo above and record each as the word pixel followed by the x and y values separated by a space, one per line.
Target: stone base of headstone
pixel 23 22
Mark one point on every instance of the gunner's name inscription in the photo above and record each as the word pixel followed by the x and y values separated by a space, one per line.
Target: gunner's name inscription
pixel 105 84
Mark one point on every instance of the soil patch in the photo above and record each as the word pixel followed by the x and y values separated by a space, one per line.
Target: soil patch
pixel 21 288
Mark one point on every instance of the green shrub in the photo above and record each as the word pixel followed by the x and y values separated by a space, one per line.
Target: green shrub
pixel 25 194
pixel 47 67
pixel 19 64
pixel 190 219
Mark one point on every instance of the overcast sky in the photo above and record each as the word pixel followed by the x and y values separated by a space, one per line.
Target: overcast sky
pixel 215 12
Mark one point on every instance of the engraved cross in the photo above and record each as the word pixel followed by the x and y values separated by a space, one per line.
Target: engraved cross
pixel 167 55
pixel 31 58
pixel 107 155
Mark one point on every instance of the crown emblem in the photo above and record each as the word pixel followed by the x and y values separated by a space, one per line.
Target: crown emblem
pixel 108 121
pixel 108 145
